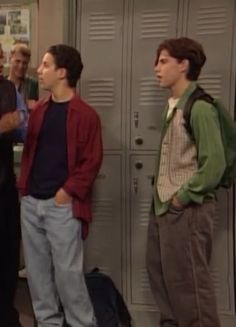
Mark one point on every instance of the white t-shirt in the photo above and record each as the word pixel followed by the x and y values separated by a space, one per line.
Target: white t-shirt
pixel 172 102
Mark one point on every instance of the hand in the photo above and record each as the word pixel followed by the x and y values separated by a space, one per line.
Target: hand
pixel 10 121
pixel 62 197
pixel 31 104
pixel 176 203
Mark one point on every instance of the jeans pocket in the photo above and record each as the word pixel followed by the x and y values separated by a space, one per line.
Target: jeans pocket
pixel 62 205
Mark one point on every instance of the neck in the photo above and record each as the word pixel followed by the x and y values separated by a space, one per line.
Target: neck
pixel 178 89
pixel 63 94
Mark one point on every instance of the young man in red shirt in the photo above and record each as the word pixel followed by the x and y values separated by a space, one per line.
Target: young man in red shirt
pixel 61 158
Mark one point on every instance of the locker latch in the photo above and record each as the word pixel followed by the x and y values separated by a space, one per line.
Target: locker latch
pixel 136 119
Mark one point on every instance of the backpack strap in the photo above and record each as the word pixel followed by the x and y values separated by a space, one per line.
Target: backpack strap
pixel 198 94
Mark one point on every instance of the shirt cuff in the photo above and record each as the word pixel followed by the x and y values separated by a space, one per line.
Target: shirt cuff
pixel 183 197
pixel 22 116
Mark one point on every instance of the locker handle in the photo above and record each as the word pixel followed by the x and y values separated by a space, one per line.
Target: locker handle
pixel 135 185
pixel 136 119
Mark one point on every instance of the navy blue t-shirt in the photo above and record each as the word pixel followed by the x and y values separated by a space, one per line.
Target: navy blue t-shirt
pixel 50 166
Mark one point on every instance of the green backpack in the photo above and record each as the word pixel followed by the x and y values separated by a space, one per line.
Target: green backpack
pixel 228 132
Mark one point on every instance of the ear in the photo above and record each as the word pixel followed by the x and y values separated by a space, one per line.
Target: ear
pixel 184 65
pixel 61 73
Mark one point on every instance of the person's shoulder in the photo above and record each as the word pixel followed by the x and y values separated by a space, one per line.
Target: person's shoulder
pixel 6 82
pixel 40 104
pixel 83 107
pixel 202 109
pixel 31 80
pixel 8 89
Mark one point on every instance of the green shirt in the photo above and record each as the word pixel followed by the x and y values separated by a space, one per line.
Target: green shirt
pixel 29 89
pixel 211 158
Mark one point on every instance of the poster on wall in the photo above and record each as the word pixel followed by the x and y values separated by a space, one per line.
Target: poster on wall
pixel 14 27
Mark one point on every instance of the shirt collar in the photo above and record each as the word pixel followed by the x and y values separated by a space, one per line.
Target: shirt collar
pixel 183 99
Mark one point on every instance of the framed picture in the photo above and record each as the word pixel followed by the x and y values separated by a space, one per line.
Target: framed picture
pixel 14 27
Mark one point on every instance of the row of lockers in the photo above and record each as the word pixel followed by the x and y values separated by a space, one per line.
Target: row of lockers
pixel 118 42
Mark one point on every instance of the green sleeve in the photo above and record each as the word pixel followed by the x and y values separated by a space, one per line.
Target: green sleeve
pixel 210 151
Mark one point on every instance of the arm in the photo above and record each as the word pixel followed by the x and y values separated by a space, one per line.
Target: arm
pixel 211 157
pixel 20 132
pixel 89 156
pixel 13 118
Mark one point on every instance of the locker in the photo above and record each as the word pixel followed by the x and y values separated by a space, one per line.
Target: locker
pixel 141 186
pixel 102 248
pixel 211 23
pixel 152 22
pixel 101 49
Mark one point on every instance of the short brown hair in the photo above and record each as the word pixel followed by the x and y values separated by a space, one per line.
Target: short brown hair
pixel 21 48
pixel 185 48
pixel 67 57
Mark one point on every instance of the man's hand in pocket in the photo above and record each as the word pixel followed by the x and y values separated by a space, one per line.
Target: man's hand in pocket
pixel 62 197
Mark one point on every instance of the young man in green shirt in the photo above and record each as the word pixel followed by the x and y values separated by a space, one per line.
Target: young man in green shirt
pixel 188 171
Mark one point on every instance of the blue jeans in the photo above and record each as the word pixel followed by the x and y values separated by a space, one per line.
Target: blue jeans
pixel 53 250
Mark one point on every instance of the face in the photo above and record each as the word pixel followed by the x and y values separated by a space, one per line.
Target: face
pixel 48 73
pixel 168 70
pixel 19 65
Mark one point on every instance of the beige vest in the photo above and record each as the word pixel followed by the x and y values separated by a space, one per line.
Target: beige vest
pixel 178 158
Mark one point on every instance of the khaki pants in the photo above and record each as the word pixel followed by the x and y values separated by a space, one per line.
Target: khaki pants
pixel 179 247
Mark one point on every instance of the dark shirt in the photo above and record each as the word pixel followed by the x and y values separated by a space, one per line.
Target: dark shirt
pixel 7 105
pixel 50 166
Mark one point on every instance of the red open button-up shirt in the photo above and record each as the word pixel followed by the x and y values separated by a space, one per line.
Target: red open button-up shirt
pixel 84 146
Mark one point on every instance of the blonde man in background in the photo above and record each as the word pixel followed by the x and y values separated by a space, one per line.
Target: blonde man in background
pixel 26 85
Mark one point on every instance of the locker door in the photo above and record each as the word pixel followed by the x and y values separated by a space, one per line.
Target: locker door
pixel 211 22
pixel 222 262
pixel 152 22
pixel 103 246
pixel 101 44
pixel 141 176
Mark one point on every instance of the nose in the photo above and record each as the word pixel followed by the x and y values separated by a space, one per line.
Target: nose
pixel 21 65
pixel 156 68
pixel 39 70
